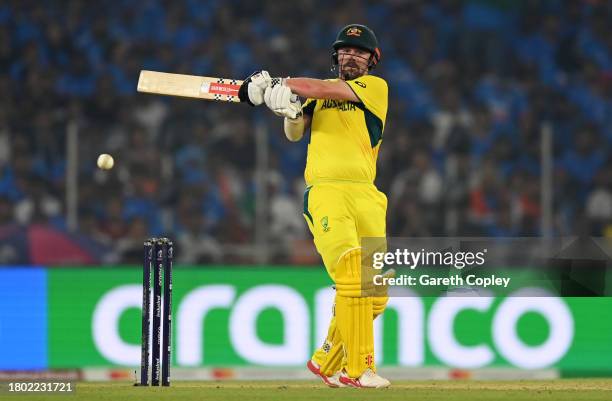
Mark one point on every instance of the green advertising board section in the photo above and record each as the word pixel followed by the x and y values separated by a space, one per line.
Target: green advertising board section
pixel 74 293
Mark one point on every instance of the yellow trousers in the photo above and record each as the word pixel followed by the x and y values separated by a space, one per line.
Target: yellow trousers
pixel 339 215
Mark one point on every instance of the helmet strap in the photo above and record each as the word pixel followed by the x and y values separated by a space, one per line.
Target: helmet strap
pixel 374 58
pixel 334 65
pixel 371 63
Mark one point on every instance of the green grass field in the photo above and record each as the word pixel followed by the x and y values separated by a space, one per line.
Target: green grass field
pixel 563 389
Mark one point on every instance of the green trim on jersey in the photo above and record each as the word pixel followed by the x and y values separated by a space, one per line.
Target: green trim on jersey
pixel 309 108
pixel 306 212
pixel 373 124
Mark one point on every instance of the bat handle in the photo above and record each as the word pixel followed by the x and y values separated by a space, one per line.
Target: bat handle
pixel 294 98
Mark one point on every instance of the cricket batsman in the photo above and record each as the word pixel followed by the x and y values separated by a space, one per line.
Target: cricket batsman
pixel 346 116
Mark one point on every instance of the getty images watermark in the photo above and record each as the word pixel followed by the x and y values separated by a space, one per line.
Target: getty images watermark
pixel 572 267
pixel 422 258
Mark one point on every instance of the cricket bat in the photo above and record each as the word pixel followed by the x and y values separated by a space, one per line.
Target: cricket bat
pixel 191 86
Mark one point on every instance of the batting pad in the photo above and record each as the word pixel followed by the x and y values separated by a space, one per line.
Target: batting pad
pixel 348 274
pixel 355 323
pixel 381 295
pixel 378 305
pixel 329 356
pixel 354 315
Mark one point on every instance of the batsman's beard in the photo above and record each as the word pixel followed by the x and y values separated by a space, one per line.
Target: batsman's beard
pixel 351 70
pixel 349 73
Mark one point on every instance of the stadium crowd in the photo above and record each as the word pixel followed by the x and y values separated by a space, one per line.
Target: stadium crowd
pixel 472 83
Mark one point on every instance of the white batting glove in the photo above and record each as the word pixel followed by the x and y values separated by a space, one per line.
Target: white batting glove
pixel 282 102
pixel 257 86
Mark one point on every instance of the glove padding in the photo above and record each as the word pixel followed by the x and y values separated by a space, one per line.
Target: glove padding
pixel 253 87
pixel 282 102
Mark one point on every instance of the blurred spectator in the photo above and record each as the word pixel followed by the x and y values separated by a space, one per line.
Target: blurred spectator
pixel 195 244
pixel 113 225
pixel 285 226
pixel 37 205
pixel 421 184
pixel 583 161
pixel 129 247
pixel 6 211
pixel 599 203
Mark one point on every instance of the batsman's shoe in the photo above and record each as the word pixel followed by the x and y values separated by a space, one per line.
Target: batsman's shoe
pixel 331 381
pixel 368 379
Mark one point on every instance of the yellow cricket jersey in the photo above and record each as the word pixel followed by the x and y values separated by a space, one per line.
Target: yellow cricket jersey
pixel 345 136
